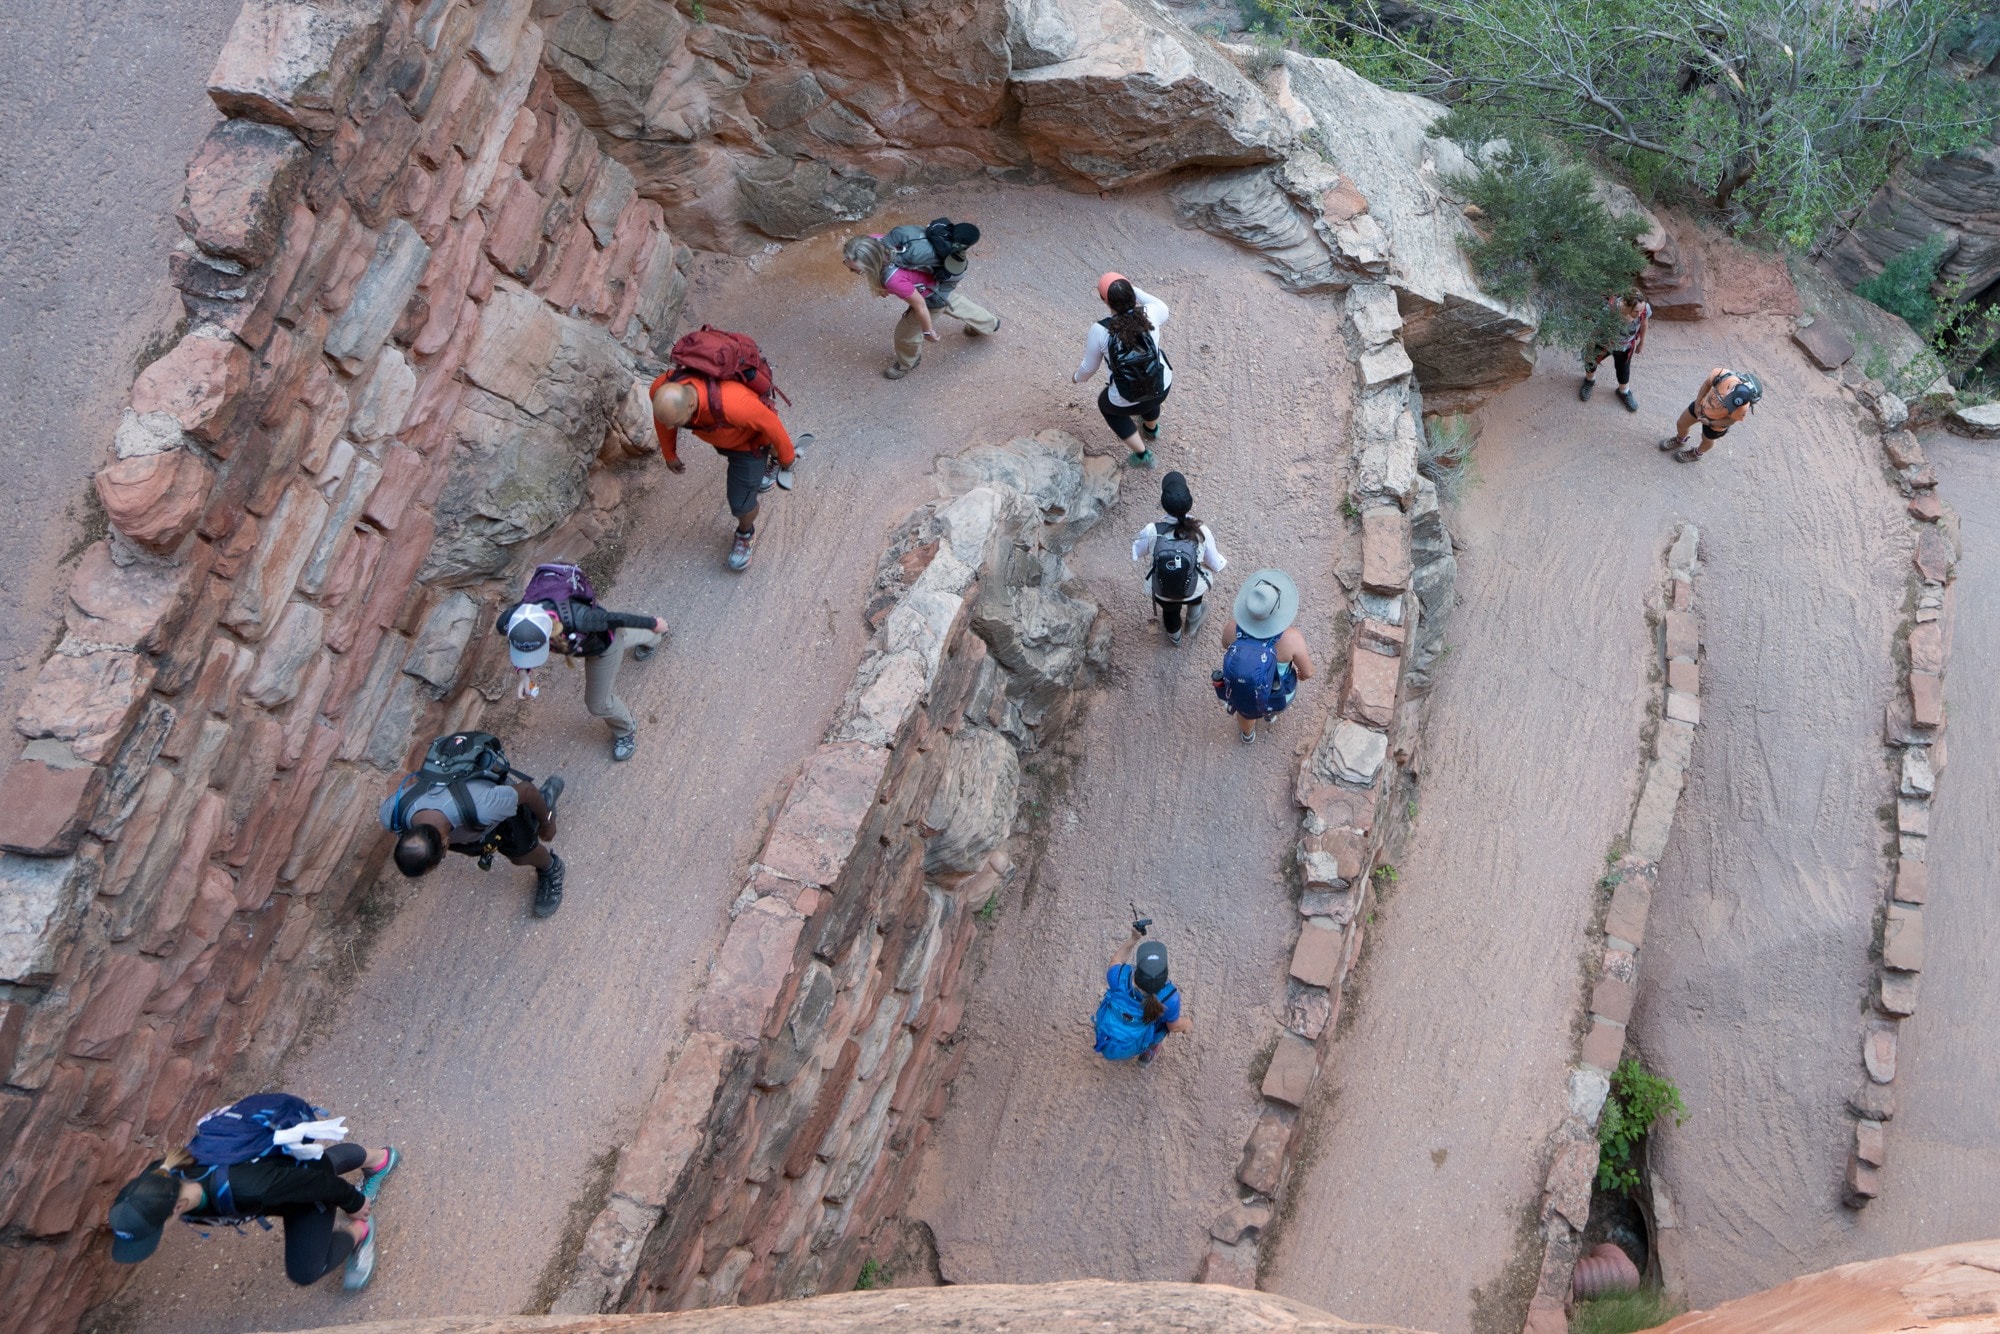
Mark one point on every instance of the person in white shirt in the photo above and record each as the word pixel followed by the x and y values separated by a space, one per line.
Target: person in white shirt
pixel 1182 559
pixel 1140 373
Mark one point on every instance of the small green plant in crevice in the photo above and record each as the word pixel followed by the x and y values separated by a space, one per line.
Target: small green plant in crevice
pixel 990 909
pixel 1623 1312
pixel 872 1276
pixel 1348 509
pixel 1410 809
pixel 1385 874
pixel 1639 1098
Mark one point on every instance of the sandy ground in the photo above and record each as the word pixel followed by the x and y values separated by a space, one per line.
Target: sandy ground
pixel 1757 959
pixel 1052 1163
pixel 506 1054
pixel 1445 1087
pixel 1944 1145
pixel 88 188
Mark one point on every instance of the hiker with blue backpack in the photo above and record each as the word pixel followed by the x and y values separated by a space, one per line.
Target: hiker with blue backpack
pixel 1266 657
pixel 558 612
pixel 467 799
pixel 269 1155
pixel 1141 1005
pixel 1182 557
pixel 1140 377
pixel 921 267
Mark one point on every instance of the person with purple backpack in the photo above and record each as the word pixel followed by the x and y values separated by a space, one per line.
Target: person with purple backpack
pixel 558 612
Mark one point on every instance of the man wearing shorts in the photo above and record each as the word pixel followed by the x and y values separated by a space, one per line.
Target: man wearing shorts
pixel 1725 398
pixel 482 817
pixel 747 433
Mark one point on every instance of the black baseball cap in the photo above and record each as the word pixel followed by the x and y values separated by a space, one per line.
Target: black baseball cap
pixel 1175 498
pixel 1149 967
pixel 140 1211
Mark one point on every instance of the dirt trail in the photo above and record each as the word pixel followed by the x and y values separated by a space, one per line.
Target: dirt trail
pixel 1757 958
pixel 1944 1146
pixel 508 1054
pixel 1051 1163
pixel 88 186
pixel 1451 1075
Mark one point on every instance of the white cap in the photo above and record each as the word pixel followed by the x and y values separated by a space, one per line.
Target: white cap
pixel 528 631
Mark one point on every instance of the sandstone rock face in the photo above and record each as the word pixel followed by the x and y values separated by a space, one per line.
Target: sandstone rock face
pixel 294 62
pixel 1954 197
pixel 237 189
pixel 974 805
pixel 1466 345
pixel 1137 96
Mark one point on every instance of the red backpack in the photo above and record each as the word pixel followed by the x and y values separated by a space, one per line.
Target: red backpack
pixel 713 355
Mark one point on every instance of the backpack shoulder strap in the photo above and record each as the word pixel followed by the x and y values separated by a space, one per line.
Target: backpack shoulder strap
pixel 468 813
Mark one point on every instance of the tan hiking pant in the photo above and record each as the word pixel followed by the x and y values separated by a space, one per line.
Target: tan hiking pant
pixel 600 679
pixel 910 329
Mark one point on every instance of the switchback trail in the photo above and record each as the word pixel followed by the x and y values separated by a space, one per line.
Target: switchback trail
pixel 507 1055
pixel 1052 1163
pixel 1427 1143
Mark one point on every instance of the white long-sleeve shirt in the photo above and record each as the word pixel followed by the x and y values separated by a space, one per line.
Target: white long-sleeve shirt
pixel 1097 346
pixel 1212 559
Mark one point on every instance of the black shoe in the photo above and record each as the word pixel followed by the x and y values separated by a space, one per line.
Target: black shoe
pixel 548 888
pixel 1583 390
pixel 644 651
pixel 1625 397
pixel 552 790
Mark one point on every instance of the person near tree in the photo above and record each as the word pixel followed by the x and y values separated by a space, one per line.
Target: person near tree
pixel 1633 313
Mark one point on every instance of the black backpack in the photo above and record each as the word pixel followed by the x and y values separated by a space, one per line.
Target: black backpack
pixel 1176 572
pixel 1138 369
pixel 451 762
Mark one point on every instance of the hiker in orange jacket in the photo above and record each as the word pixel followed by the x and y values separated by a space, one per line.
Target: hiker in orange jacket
pixel 746 432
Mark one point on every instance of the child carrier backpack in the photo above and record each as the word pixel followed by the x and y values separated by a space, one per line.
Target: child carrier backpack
pixel 1249 682
pixel 1176 568
pixel 1138 368
pixel 926 248
pixel 1123 1031
pixel 451 763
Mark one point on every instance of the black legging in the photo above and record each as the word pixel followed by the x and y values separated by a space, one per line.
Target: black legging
pixel 1117 419
pixel 313 1247
pixel 1620 362
pixel 1170 612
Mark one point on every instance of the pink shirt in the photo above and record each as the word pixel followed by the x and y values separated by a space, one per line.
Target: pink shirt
pixel 905 283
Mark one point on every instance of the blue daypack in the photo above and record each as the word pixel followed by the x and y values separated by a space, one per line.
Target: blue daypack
pixel 242 1131
pixel 1252 680
pixel 1123 1030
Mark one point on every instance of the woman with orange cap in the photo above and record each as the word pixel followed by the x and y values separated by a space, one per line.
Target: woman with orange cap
pixel 1140 373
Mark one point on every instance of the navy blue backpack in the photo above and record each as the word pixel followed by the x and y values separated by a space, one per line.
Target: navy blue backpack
pixel 1252 680
pixel 242 1132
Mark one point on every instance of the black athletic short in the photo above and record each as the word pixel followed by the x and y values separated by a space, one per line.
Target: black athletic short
pixel 746 478
pixel 1120 420
pixel 1707 432
pixel 516 836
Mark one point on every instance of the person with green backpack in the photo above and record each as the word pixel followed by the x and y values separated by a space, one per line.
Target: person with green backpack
pixel 1141 1005
pixel 467 799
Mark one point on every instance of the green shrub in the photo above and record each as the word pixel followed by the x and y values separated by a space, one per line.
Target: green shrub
pixel 1903 287
pixel 1547 239
pixel 1623 1313
pixel 872 1276
pixel 1638 1099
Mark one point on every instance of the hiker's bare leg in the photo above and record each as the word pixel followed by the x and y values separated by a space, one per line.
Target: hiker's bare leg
pixel 747 521
pixel 1245 725
pixel 1684 425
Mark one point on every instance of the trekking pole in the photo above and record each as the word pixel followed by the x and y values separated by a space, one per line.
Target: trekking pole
pixel 1139 923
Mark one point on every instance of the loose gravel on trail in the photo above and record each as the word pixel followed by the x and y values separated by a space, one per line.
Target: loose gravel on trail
pixel 1051 1162
pixel 507 1055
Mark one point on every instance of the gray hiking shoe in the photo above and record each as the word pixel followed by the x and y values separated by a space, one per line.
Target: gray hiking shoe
pixel 1583 390
pixel 548 887
pixel 361 1264
pixel 551 790
pixel 1631 403
pixel 739 551
pixel 623 746
pixel 896 370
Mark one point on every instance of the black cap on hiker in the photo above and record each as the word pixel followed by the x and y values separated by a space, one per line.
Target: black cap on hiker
pixel 140 1211
pixel 964 234
pixel 1149 967
pixel 1175 498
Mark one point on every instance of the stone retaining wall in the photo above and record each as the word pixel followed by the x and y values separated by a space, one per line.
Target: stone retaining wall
pixel 415 289
pixel 1346 786
pixel 793 1120
pixel 1565 1204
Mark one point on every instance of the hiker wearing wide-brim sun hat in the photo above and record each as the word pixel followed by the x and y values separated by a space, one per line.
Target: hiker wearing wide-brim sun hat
pixel 1267 656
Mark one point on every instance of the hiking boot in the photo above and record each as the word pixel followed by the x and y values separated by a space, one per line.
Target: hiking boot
pixel 1142 459
pixel 361 1264
pixel 1583 390
pixel 1151 1054
pixel 623 746
pixel 1174 637
pixel 371 1182
pixel 552 790
pixel 1625 397
pixel 548 888
pixel 1688 455
pixel 896 370
pixel 644 651
pixel 739 550
pixel 971 332
pixel 1672 442
pixel 1149 434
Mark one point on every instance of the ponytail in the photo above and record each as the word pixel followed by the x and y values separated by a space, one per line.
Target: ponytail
pixel 1152 1009
pixel 1129 321
pixel 1187 528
